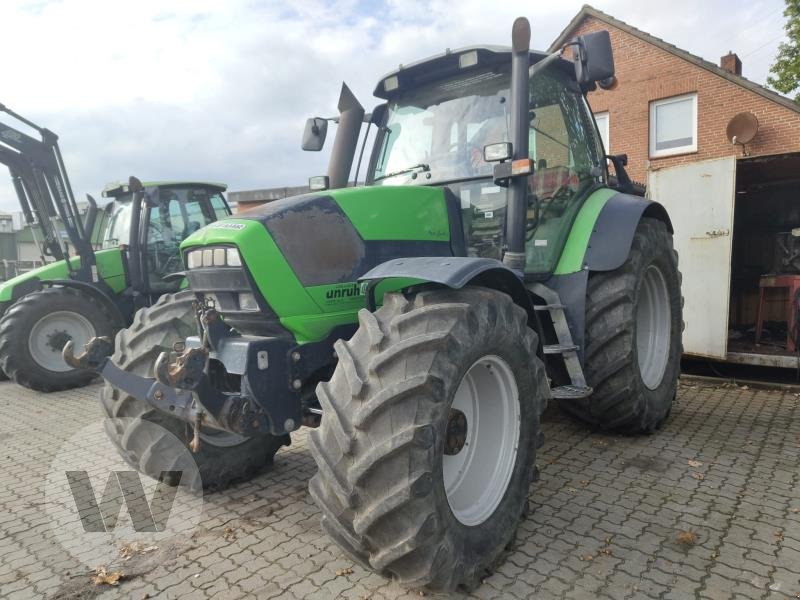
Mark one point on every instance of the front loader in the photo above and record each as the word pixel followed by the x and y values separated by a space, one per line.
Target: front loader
pixel 81 293
pixel 419 323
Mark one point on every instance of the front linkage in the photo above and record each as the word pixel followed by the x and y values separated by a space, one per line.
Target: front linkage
pixel 274 374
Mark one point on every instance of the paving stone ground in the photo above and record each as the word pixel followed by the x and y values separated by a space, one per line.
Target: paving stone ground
pixel 605 516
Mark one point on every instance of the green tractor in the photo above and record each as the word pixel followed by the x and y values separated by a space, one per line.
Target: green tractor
pixel 86 293
pixel 419 323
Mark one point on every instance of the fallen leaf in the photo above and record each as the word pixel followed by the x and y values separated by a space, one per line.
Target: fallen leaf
pixel 345 571
pixel 698 476
pixel 778 536
pixel 127 551
pixel 694 463
pixel 608 539
pixel 229 535
pixel 572 490
pixel 687 538
pixel 605 551
pixel 584 482
pixel 795 510
pixel 101 577
pixel 587 557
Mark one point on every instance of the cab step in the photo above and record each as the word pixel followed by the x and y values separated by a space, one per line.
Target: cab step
pixel 548 307
pixel 571 392
pixel 560 348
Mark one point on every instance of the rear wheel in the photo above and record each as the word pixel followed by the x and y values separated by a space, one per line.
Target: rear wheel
pixel 427 444
pixel 633 337
pixel 33 332
pixel 223 457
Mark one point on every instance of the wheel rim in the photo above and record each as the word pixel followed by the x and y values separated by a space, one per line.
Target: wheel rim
pixel 653 317
pixel 477 476
pixel 222 439
pixel 51 332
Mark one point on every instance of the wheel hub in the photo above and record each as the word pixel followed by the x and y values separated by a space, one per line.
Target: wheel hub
pixel 456 435
pixel 58 339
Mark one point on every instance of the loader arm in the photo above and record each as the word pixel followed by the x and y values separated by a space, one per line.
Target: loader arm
pixel 43 188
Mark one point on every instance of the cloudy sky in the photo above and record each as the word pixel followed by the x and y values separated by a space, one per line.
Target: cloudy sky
pixel 201 89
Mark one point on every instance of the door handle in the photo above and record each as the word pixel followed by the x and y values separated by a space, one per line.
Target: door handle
pixel 712 233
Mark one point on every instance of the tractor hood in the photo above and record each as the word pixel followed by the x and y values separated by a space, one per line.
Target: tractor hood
pixel 109 268
pixel 304 254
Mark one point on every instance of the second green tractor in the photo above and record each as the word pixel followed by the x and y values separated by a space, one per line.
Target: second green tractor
pixel 420 323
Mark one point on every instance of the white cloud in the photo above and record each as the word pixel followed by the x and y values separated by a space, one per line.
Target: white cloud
pixel 203 89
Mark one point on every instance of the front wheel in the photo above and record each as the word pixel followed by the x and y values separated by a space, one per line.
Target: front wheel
pixel 426 449
pixel 224 457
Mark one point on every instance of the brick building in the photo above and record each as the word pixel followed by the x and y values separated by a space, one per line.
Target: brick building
pixel 652 73
pixel 735 207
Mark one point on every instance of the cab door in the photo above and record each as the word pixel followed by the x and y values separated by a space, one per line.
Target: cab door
pixel 699 198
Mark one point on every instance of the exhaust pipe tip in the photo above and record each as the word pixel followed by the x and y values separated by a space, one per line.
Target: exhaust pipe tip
pixel 521 35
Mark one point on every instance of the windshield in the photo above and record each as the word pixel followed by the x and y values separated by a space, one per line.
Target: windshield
pixel 437 132
pixel 119 223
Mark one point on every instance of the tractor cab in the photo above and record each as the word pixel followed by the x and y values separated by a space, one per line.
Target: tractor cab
pixel 171 212
pixel 444 125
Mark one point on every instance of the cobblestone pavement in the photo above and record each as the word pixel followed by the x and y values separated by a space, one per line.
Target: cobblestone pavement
pixel 708 507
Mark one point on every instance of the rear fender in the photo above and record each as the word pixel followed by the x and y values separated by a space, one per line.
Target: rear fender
pixel 612 235
pixel 105 298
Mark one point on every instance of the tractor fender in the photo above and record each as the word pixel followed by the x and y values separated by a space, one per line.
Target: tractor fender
pixel 612 234
pixel 97 293
pixel 454 272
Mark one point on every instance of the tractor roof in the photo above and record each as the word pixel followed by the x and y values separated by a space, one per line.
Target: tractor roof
pixel 446 64
pixel 117 188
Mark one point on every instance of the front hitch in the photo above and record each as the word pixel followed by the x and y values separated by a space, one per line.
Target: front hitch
pixel 185 371
pixel 94 354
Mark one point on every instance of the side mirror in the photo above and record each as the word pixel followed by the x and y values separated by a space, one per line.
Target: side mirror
pixel 594 58
pixel 497 152
pixel 314 134
pixel 319 183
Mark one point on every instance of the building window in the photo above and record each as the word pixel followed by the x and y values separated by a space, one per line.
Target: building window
pixel 602 126
pixel 673 125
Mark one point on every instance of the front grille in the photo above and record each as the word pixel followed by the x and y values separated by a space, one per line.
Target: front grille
pixel 223 287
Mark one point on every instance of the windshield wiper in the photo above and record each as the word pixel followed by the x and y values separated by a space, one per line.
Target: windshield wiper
pixel 422 166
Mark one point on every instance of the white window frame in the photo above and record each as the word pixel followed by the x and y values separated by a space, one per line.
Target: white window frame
pixel 654 104
pixel 605 132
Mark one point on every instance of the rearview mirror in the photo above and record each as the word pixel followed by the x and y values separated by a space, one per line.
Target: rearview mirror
pixel 594 58
pixel 314 134
pixel 319 183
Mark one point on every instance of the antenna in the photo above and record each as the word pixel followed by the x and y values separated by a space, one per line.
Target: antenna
pixel 741 129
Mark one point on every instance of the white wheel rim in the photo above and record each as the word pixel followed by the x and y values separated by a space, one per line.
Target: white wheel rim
pixel 222 439
pixel 653 318
pixel 477 477
pixel 51 332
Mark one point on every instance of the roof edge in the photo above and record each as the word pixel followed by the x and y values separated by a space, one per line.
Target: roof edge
pixel 589 11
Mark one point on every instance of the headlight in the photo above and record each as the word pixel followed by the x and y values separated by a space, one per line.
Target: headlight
pixel 194 259
pixel 234 260
pixel 213 257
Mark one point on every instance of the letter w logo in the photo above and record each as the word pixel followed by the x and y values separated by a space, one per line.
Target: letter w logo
pixel 122 485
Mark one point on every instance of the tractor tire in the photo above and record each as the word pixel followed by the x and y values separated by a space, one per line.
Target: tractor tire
pixel 451 371
pixel 223 458
pixel 33 332
pixel 634 325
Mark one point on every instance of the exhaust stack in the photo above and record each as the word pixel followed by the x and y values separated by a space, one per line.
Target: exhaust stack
pixel 516 213
pixel 351 115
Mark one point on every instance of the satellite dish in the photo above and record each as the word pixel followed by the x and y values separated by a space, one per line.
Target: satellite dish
pixel 742 128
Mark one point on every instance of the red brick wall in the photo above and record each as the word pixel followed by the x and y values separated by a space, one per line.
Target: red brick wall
pixel 646 72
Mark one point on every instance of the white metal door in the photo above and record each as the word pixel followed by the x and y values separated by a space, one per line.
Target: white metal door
pixel 699 198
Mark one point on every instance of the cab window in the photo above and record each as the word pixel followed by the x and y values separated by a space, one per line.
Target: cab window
pixel 563 146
